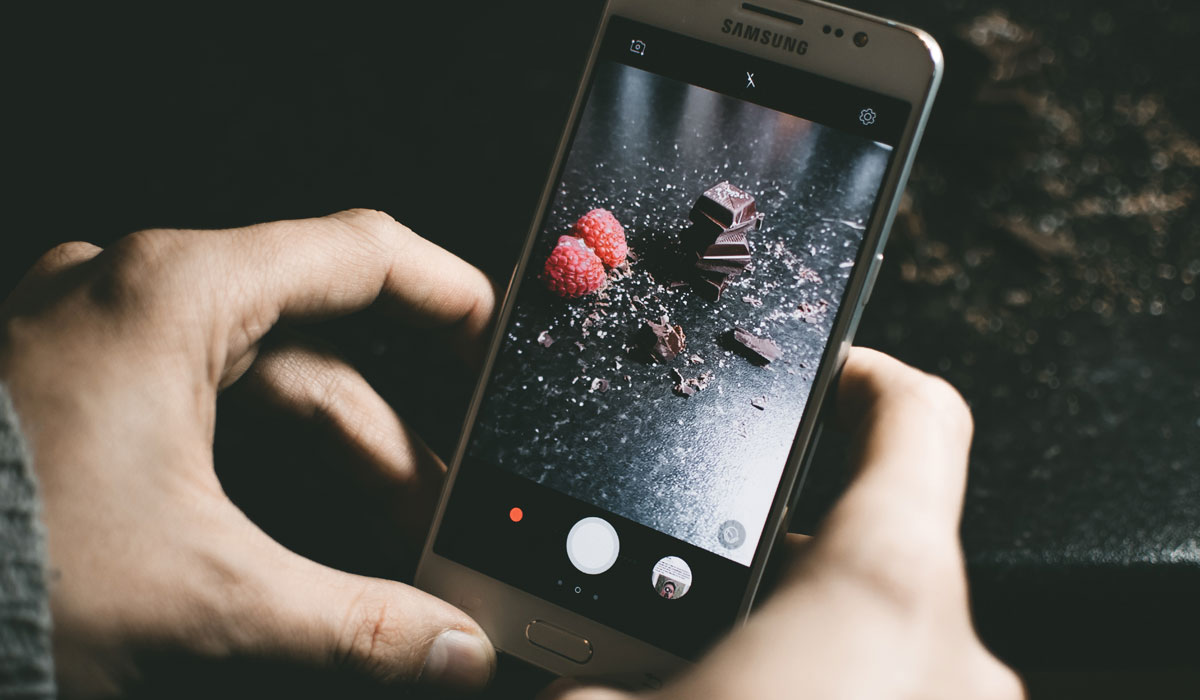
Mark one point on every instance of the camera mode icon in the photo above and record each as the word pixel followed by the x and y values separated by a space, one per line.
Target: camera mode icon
pixel 867 116
pixel 731 534
pixel 637 46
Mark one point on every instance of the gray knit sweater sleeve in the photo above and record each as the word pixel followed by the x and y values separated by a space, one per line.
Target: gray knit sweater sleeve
pixel 26 664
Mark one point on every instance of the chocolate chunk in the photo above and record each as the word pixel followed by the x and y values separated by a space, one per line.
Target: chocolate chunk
pixel 728 252
pixel 688 386
pixel 704 225
pixel 721 217
pixel 662 341
pixel 711 289
pixel 759 350
pixel 727 204
pixel 733 237
pixel 724 268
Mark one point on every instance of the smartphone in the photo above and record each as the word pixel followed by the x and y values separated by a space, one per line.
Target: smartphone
pixel 632 450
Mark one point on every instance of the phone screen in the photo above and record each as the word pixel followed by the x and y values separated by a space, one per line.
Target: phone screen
pixel 630 441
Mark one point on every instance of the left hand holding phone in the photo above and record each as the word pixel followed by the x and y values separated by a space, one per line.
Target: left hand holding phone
pixel 114 359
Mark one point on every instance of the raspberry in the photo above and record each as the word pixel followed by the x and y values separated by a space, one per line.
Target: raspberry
pixel 573 270
pixel 601 230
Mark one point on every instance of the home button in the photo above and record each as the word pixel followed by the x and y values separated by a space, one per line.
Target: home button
pixel 558 640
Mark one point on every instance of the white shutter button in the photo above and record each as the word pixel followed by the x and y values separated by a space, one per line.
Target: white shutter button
pixel 593 545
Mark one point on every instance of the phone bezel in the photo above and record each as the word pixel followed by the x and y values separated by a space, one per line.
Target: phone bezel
pixel 910 69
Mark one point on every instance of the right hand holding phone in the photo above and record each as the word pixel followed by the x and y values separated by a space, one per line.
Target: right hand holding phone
pixel 874 606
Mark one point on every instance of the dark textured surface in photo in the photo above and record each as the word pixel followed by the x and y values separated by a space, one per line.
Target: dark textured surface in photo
pixel 686 445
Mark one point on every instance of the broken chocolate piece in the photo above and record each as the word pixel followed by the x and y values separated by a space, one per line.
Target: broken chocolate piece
pixel 704 226
pixel 718 268
pixel 711 289
pixel 727 204
pixel 759 350
pixel 682 387
pixel 727 252
pixel 688 386
pixel 722 217
pixel 662 341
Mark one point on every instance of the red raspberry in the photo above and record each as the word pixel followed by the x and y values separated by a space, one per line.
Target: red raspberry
pixel 601 230
pixel 573 270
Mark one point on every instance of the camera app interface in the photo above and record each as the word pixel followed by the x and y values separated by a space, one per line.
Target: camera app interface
pixel 676 306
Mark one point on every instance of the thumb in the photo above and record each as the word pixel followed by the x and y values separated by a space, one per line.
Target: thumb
pixel 392 633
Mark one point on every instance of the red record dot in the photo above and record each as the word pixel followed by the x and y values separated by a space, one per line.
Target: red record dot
pixel 516 514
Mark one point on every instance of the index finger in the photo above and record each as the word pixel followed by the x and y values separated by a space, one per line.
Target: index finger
pixel 341 263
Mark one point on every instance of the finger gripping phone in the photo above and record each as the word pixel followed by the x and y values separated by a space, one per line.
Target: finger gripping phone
pixel 705 245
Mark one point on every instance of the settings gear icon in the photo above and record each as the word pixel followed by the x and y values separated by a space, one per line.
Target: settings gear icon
pixel 867 117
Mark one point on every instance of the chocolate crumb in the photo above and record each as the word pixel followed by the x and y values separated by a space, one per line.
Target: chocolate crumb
pixel 695 360
pixel 811 313
pixel 600 385
pixel 662 341
pixel 688 386
pixel 759 350
pixel 760 403
pixel 544 339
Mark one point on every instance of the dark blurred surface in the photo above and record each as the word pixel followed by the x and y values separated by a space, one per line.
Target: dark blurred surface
pixel 1045 261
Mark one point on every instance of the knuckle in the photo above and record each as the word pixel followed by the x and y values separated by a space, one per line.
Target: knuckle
pixel 67 254
pixel 369 642
pixel 145 269
pixel 136 265
pixel 941 399
pixel 377 225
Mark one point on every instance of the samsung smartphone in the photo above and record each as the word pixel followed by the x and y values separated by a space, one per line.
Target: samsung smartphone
pixel 631 453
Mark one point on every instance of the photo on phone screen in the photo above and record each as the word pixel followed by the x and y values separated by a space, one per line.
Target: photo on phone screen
pixel 665 403
pixel 577 402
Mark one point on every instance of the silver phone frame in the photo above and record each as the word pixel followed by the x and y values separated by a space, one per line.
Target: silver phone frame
pixel 910 69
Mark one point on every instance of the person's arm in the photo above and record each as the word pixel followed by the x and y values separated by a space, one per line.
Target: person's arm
pixel 26 662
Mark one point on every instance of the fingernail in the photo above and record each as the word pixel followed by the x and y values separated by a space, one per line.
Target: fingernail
pixel 457 661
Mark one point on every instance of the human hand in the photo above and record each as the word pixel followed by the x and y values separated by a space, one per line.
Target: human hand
pixel 114 360
pixel 875 605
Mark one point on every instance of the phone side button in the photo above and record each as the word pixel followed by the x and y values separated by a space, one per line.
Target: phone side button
pixel 872 275
pixel 556 639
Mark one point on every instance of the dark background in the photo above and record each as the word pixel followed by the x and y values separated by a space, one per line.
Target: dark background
pixel 1045 261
